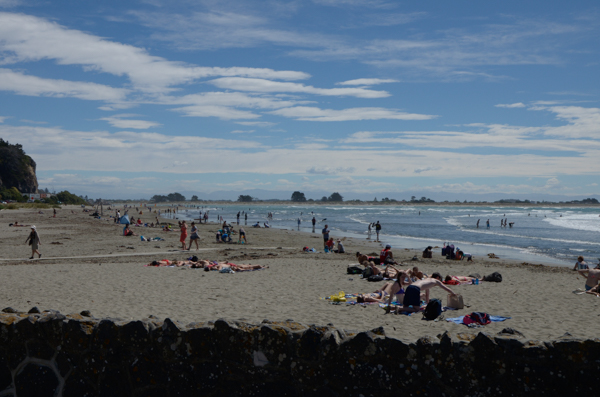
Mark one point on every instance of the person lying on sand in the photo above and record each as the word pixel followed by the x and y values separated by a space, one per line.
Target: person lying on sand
pixel 412 296
pixel 455 280
pixel 238 268
pixel 379 295
pixel 16 224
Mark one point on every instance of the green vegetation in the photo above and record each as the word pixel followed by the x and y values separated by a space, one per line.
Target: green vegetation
pixel 65 197
pixel 157 198
pixel 11 194
pixel 244 198
pixel 298 196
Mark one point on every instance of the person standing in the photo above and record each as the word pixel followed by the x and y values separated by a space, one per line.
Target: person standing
pixel 299 221
pixel 377 229
pixel 246 218
pixel 242 236
pixel 369 231
pixel 325 233
pixel 194 236
pixel 488 223
pixel 183 236
pixel 238 218
pixel 54 213
pixel 314 221
pixel 478 223
pixel 34 241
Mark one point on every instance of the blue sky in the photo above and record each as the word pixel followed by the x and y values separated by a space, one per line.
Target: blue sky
pixel 130 99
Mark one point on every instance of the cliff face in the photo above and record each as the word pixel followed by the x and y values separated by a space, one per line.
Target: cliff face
pixel 17 169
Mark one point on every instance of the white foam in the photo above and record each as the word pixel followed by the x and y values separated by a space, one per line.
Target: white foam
pixel 587 222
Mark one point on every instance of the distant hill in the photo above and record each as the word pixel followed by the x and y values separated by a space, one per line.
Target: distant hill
pixel 16 169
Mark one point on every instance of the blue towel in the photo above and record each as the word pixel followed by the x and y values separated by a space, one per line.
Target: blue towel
pixel 494 319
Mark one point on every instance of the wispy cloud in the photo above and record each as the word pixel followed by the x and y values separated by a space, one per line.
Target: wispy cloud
pixel 315 114
pixel 27 38
pixel 511 105
pixel 123 121
pixel 367 81
pixel 22 84
pixel 261 85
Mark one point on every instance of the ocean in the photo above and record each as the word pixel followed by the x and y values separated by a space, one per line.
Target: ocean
pixel 549 235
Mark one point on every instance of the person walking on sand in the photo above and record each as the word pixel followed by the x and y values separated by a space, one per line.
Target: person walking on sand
pixel 184 234
pixel 194 236
pixel 54 213
pixel 377 230
pixel 34 241
pixel 242 235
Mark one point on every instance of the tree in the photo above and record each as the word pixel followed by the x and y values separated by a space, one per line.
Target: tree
pixel 335 197
pixel 194 198
pixel 176 197
pixel 244 198
pixel 298 196
pixel 324 198
pixel 157 198
pixel 412 198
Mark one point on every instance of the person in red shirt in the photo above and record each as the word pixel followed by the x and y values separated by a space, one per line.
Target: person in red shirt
pixel 386 255
pixel 329 244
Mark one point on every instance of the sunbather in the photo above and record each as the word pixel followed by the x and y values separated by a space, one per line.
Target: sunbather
pixel 379 295
pixel 238 268
pixel 593 277
pixel 594 291
pixel 397 290
pixel 459 279
pixel 412 296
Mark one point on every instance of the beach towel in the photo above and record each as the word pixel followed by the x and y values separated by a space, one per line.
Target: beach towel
pixel 459 320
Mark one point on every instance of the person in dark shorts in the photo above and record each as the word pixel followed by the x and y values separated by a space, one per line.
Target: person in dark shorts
pixel 412 295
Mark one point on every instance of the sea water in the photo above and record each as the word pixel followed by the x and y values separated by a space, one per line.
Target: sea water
pixel 554 235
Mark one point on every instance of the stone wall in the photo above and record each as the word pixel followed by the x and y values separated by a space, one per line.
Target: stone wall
pixel 50 354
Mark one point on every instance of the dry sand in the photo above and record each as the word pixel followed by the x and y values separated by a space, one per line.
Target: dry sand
pixel 88 265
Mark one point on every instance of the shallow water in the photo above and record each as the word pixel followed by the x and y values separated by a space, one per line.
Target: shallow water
pixel 555 235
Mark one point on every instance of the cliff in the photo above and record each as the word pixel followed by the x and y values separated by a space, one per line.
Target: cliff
pixel 16 169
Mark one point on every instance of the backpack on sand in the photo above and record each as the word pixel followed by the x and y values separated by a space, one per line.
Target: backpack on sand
pixel 433 309
pixel 494 277
pixel 377 277
pixel 368 272
pixel 354 270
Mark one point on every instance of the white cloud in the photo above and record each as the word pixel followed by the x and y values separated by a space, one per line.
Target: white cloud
pixel 27 38
pixel 511 105
pixel 316 114
pixel 242 131
pixel 35 86
pixel 367 81
pixel 261 85
pixel 330 170
pixel 2 118
pixel 119 121
pixel 256 123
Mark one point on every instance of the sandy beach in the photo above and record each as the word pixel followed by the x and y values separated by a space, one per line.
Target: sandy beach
pixel 88 265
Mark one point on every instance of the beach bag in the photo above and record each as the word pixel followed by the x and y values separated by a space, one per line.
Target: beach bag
pixel 494 277
pixel 455 301
pixel 377 277
pixel 354 270
pixel 368 272
pixel 433 309
pixel 479 318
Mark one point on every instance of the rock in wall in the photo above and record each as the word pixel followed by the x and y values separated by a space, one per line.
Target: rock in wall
pixel 50 354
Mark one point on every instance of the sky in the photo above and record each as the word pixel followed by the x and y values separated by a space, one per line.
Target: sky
pixel 118 99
